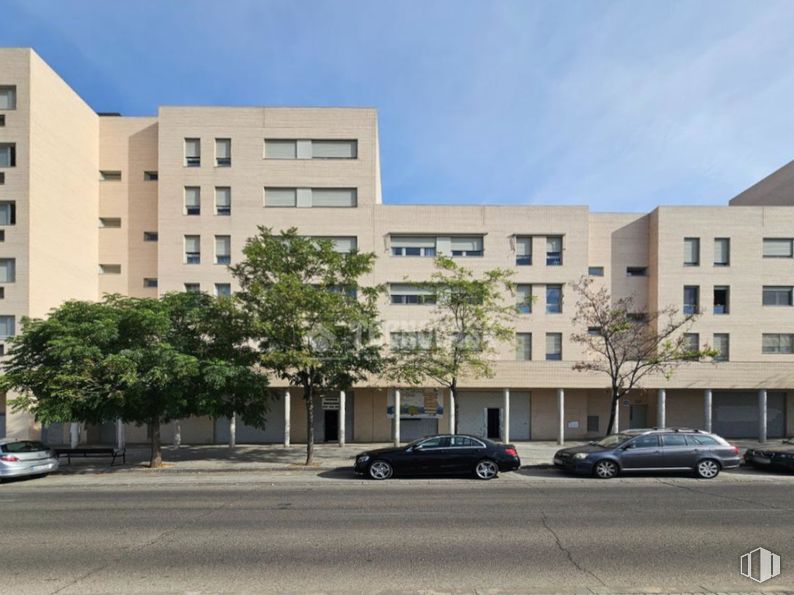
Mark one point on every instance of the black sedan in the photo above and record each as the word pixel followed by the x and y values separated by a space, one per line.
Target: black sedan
pixel 778 457
pixel 440 455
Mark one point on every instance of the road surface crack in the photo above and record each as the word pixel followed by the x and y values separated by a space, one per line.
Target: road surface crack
pixel 544 519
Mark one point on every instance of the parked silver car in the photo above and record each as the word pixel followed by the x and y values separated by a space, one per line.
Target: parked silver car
pixel 658 449
pixel 20 458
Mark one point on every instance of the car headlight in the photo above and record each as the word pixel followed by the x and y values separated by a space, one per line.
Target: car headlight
pixel 580 455
pixel 363 458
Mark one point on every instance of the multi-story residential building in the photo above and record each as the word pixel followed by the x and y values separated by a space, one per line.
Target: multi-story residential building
pixel 98 203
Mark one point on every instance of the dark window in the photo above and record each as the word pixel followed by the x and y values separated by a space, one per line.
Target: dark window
pixel 150 176
pixel 637 271
pixel 674 440
pixel 8 155
pixel 691 299
pixel 2 120
pixel 647 441
pixel 150 236
pixel 110 176
pixel 149 282
pixel 436 442
pixel 2 177
pixel 721 296
pixel 592 423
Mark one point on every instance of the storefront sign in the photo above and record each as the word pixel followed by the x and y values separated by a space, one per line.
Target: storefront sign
pixel 416 404
pixel 331 403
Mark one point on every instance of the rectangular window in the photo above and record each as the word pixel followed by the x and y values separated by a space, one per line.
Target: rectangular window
pixel 8 212
pixel 150 176
pixel 691 345
pixel 223 201
pixel 192 152
pixel 150 236
pixel 592 423
pixel 524 298
pixel 553 299
pixel 595 271
pixel 334 149
pixel 7 326
pixel 334 197
pixel 722 296
pixel 8 97
pixel 223 152
pixel 691 299
pixel 409 341
pixel 413 245
pixel 778 248
pixel 113 222
pixel 636 271
pixel 110 176
pixel 722 346
pixel 691 252
pixel 2 177
pixel 466 245
pixel 403 293
pixel 554 346
pixel 341 244
pixel 223 249
pixel 223 289
pixel 8 155
pixel 192 288
pixel 192 250
pixel 280 197
pixel 722 252
pixel 554 251
pixel 523 251
pixel 150 282
pixel 524 347
pixel 109 269
pixel 594 331
pixel 777 343
pixel 192 200
pixel 280 149
pixel 8 270
pixel 778 295
pixel 2 120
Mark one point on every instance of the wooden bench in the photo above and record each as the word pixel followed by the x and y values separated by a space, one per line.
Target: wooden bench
pixel 92 452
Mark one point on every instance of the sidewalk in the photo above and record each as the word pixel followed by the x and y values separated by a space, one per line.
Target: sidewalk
pixel 271 457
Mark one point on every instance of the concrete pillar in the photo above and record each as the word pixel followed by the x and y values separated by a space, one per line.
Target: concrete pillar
pixel 762 415
pixel 616 425
pixel 74 434
pixel 506 436
pixel 661 408
pixel 396 421
pixel 233 430
pixel 286 418
pixel 451 406
pixel 341 418
pixel 707 409
pixel 120 437
pixel 177 433
pixel 561 416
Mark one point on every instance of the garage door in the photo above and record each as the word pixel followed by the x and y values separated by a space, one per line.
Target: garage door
pixel 412 429
pixel 735 414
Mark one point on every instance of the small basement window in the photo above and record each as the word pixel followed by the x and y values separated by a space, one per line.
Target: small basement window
pixel 150 176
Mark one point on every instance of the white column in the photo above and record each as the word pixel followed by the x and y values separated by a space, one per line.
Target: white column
pixel 506 436
pixel 74 434
pixel 661 408
pixel 177 433
pixel 762 415
pixel 396 426
pixel 616 425
pixel 451 406
pixel 341 418
pixel 233 430
pixel 120 437
pixel 286 418
pixel 561 416
pixel 707 409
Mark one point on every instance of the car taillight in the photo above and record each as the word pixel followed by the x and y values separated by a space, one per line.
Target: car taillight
pixel 511 451
pixel 735 449
pixel 9 458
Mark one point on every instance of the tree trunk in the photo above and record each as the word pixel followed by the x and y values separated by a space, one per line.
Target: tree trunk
pixel 157 454
pixel 308 394
pixel 613 408
pixel 453 390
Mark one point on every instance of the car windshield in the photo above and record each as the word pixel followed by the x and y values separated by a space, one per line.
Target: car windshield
pixel 612 440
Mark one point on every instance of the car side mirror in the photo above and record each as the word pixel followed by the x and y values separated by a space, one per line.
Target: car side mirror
pixel 626 446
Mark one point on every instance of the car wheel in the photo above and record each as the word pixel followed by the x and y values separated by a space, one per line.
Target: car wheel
pixel 486 469
pixel 605 469
pixel 380 470
pixel 707 469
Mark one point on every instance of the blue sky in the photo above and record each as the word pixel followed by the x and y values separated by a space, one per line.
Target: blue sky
pixel 619 105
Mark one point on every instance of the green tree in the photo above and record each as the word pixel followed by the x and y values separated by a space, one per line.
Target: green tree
pixel 142 360
pixel 470 317
pixel 315 325
pixel 627 344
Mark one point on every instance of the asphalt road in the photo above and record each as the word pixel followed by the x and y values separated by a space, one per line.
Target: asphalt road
pixel 232 533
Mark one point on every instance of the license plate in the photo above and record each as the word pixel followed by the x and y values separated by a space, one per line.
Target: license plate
pixel 41 467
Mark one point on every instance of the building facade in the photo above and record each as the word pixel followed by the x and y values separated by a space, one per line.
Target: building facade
pixel 98 203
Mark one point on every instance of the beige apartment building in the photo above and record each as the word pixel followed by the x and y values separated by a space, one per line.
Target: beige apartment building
pixel 98 203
